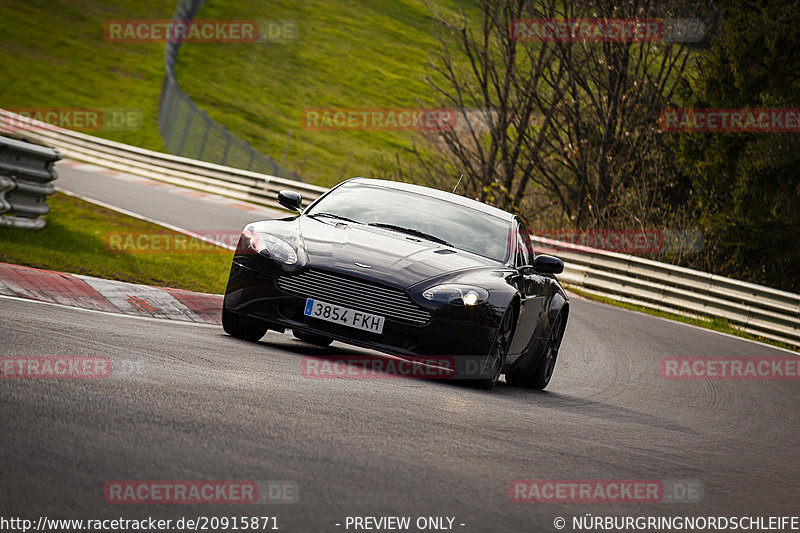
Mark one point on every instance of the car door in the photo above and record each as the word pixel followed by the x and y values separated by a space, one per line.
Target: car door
pixel 533 289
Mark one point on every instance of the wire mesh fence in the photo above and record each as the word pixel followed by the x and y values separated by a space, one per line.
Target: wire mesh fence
pixel 189 132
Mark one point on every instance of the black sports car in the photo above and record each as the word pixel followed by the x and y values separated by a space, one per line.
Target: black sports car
pixel 405 270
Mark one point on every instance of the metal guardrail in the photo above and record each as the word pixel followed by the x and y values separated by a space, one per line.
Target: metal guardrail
pixel 26 175
pixel 759 310
pixel 209 177
pixel 188 131
pixel 756 309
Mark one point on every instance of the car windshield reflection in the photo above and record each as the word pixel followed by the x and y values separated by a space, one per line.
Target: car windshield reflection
pixel 415 214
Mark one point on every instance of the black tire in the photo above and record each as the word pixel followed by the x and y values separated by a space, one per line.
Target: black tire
pixel 539 378
pixel 497 355
pixel 235 326
pixel 317 340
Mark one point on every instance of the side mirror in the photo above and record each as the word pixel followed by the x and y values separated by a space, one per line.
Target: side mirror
pixel 290 200
pixel 547 264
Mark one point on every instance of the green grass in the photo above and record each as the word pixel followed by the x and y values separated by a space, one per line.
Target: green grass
pixel 349 53
pixel 55 55
pixel 708 322
pixel 75 238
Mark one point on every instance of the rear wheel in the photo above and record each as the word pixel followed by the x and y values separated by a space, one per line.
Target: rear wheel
pixel 497 355
pixel 540 377
pixel 235 326
pixel 310 338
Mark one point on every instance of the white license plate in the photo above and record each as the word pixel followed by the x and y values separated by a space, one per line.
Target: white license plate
pixel 344 316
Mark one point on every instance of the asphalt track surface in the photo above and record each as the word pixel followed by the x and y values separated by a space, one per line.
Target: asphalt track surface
pixel 187 402
pixel 163 202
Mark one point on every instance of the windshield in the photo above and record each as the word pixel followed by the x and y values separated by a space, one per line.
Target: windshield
pixel 418 216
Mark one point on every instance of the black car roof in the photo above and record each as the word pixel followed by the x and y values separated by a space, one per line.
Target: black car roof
pixel 435 193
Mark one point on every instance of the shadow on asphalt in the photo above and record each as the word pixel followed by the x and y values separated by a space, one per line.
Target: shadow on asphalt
pixel 542 399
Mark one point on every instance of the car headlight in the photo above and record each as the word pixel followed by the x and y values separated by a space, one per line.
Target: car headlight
pixel 272 247
pixel 457 294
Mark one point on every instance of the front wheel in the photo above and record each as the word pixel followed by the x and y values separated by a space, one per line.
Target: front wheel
pixel 235 326
pixel 499 351
pixel 540 377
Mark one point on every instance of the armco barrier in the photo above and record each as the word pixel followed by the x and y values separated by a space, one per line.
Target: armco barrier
pixel 26 175
pixel 754 308
pixel 209 177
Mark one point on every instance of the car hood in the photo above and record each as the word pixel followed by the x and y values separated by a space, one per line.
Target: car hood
pixel 382 255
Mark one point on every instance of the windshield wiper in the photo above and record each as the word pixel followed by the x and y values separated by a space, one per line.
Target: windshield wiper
pixel 411 231
pixel 332 215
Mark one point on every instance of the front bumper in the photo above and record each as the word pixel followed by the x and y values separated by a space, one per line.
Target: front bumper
pixel 253 292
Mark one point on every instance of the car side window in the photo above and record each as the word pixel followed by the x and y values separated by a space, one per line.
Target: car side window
pixel 524 255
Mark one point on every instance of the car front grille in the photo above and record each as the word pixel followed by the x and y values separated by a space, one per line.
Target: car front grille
pixel 359 295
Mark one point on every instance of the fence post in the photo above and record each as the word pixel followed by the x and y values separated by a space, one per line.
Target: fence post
pixel 169 126
pixel 227 147
pixel 252 157
pixel 203 141
pixel 186 131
